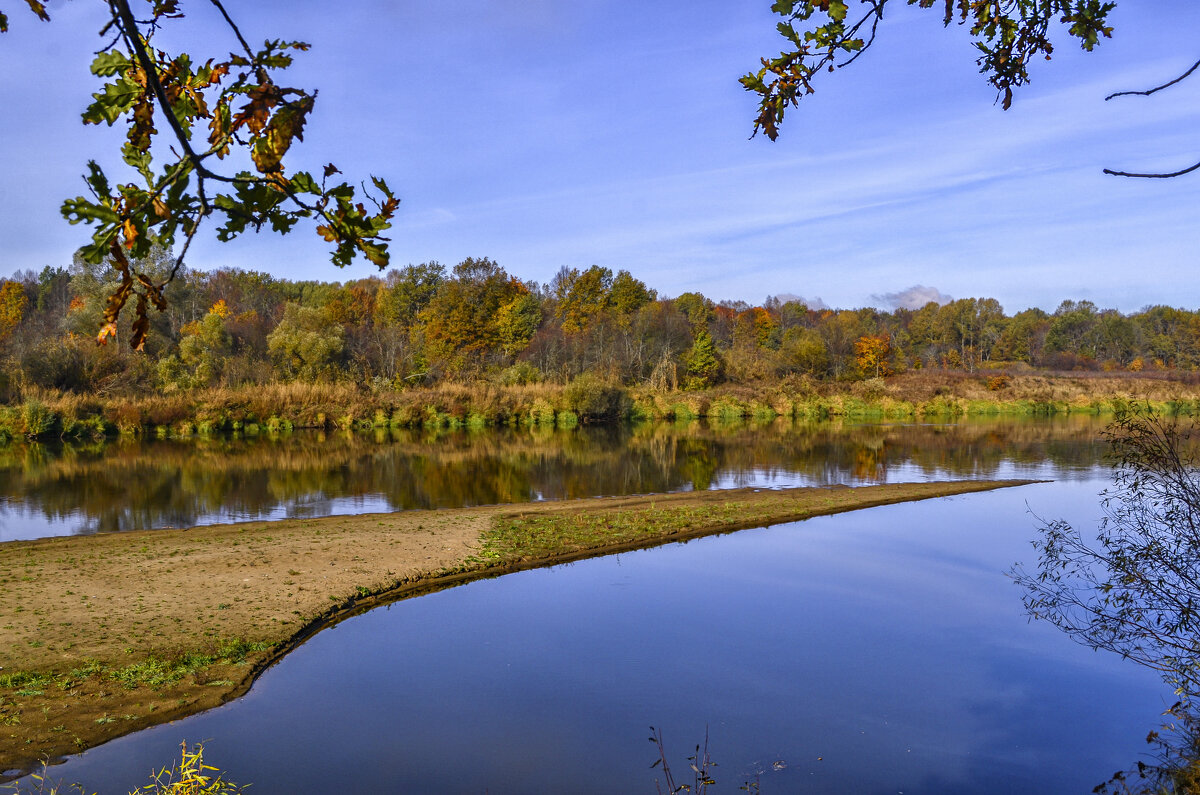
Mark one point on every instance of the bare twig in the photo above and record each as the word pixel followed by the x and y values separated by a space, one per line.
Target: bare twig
pixel 1156 89
pixel 1169 175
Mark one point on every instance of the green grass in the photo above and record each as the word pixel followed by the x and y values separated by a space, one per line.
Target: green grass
pixel 154 671
pixel 514 538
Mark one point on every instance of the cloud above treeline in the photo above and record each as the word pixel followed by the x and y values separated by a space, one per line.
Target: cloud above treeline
pixel 914 297
pixel 812 303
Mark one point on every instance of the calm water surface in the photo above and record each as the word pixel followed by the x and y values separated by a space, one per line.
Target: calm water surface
pixel 130 485
pixel 879 651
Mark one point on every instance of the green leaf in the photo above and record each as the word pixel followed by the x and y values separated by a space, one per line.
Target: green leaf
pixel 116 98
pixel 379 183
pixel 138 159
pixel 96 180
pixel 101 243
pixel 303 182
pixel 110 63
pixel 81 209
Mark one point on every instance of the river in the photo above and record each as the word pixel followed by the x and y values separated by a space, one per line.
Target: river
pixel 878 651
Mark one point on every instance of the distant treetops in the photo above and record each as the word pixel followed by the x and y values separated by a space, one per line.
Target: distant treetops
pixel 422 324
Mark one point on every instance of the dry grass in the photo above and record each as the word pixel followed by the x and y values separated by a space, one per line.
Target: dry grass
pixel 282 406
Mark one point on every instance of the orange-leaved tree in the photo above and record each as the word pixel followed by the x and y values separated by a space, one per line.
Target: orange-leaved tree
pixel 871 354
pixel 12 307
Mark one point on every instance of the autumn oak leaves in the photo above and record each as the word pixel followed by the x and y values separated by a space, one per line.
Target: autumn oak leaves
pixel 1007 35
pixel 212 110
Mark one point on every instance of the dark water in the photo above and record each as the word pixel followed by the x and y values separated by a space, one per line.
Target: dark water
pixel 879 651
pixel 128 484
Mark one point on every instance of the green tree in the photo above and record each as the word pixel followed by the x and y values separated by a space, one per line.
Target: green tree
pixel 210 109
pixel 582 297
pixel 516 322
pixel 971 326
pixel 305 344
pixel 407 292
pixel 696 308
pixel 804 351
pixel 203 350
pixel 1116 337
pixel 627 296
pixel 839 330
pixel 1023 338
pixel 1072 329
pixel 703 362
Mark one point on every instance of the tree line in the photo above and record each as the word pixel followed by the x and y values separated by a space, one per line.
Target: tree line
pixel 425 324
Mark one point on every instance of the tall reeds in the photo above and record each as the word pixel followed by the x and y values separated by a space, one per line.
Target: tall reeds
pixel 279 407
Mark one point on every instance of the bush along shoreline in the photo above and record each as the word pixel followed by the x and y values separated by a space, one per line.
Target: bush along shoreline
pixel 281 408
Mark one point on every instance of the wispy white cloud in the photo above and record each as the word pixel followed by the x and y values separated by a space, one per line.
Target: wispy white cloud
pixel 914 297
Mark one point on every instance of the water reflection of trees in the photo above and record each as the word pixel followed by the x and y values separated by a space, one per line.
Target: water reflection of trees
pixel 127 484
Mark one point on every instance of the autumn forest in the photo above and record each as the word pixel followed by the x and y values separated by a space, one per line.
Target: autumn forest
pixel 428 326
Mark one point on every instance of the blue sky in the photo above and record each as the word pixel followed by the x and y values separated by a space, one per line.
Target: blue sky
pixel 546 134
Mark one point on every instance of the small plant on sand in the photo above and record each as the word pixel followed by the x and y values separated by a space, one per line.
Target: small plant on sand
pixel 190 776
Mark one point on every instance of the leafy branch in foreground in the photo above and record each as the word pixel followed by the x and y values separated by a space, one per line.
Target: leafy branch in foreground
pixel 212 110
pixel 824 35
pixel 1007 35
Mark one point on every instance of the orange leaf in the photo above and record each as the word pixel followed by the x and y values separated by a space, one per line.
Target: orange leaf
pixel 131 233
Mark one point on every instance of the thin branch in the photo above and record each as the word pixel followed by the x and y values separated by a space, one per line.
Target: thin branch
pixel 1179 79
pixel 116 37
pixel 262 76
pixel 1180 173
pixel 877 13
pixel 134 39
pixel 179 260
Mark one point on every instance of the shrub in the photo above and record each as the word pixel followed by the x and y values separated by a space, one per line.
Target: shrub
pixel 520 374
pixel 593 399
pixel 541 412
pixel 870 389
pixel 37 419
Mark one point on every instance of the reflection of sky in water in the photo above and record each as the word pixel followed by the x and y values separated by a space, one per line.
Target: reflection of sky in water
pixel 21 522
pixel 782 478
pixel 886 642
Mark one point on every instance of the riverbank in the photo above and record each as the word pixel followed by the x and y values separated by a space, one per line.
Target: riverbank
pixel 103 635
pixel 281 407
